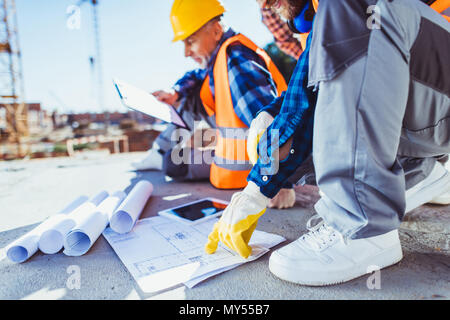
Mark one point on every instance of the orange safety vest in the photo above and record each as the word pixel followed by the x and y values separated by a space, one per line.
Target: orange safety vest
pixel 231 164
pixel 440 6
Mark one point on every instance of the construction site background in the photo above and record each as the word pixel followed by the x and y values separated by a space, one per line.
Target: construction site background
pixel 50 134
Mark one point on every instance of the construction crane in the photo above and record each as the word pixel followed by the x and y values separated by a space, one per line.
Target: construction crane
pixel 96 61
pixel 11 77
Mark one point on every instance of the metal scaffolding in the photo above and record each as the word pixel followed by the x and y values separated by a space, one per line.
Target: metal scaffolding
pixel 11 78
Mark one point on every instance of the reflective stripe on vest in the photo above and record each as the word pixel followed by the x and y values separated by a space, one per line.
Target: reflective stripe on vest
pixel 235 165
pixel 231 165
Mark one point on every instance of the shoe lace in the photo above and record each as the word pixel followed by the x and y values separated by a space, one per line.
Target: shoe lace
pixel 320 235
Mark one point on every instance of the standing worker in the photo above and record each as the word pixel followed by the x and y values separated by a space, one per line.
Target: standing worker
pixel 369 97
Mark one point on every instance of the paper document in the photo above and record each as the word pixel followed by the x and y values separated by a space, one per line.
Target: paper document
pixel 142 101
pixel 124 218
pixel 161 253
pixel 27 245
pixel 52 240
pixel 87 230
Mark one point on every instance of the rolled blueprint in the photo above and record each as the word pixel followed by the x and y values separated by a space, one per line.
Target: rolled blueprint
pixel 124 218
pixel 52 240
pixel 24 247
pixel 87 230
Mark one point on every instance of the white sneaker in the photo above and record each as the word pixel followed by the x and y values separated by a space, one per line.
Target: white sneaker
pixel 323 257
pixel 433 189
pixel 442 200
pixel 153 160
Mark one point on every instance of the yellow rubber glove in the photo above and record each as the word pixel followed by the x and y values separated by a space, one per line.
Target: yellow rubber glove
pixel 235 228
pixel 257 128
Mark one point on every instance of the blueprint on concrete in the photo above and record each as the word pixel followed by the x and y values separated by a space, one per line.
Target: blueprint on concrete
pixel 161 253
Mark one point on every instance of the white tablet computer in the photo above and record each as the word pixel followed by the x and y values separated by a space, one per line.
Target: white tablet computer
pixel 142 101
pixel 197 211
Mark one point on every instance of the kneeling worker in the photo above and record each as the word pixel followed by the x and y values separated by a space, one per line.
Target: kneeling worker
pixel 236 80
pixel 371 101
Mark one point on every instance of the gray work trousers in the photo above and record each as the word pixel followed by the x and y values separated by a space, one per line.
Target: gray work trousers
pixel 415 170
pixel 191 110
pixel 383 106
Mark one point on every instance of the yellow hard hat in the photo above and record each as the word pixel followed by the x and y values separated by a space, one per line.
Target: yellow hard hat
pixel 188 16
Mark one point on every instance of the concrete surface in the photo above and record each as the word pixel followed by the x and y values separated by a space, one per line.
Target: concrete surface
pixel 30 191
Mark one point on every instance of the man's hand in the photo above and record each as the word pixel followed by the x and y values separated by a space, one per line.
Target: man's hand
pixel 257 128
pixel 169 98
pixel 238 221
pixel 283 200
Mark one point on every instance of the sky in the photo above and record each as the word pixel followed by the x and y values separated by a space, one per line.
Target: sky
pixel 136 47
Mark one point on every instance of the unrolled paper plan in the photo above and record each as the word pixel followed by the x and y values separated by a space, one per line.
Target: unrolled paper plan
pixel 161 253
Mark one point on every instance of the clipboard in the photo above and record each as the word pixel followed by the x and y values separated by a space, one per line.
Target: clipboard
pixel 143 101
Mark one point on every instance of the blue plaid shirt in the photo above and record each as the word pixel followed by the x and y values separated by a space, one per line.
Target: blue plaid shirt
pixel 251 85
pixel 294 117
